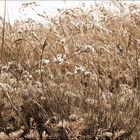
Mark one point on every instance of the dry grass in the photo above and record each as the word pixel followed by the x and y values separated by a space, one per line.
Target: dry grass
pixel 76 79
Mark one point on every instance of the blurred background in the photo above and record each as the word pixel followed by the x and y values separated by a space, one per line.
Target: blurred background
pixel 19 9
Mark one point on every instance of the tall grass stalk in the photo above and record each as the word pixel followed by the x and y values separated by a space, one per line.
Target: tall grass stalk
pixel 3 33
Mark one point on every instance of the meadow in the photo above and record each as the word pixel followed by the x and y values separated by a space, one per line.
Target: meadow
pixel 78 78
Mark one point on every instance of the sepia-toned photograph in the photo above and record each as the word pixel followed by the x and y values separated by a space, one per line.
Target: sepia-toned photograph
pixel 69 70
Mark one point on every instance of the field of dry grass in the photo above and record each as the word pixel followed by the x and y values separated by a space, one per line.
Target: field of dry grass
pixel 76 79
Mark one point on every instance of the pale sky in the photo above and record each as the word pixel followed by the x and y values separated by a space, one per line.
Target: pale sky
pixel 48 6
